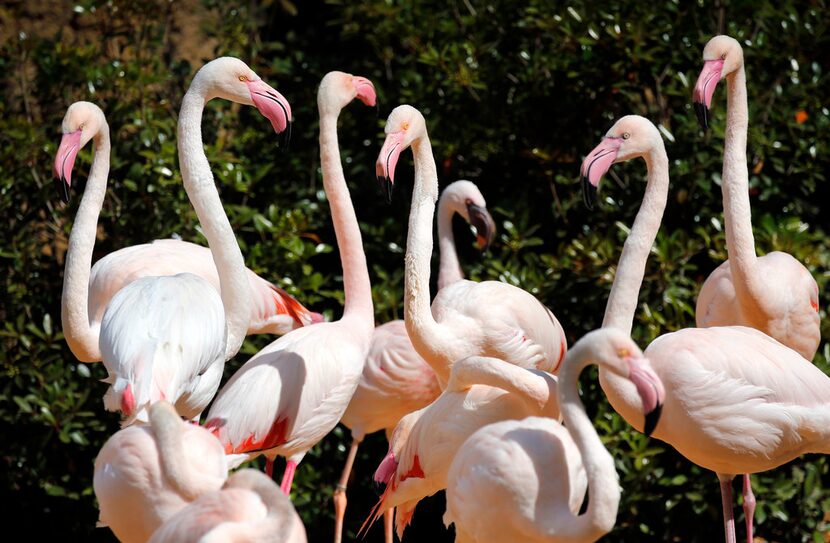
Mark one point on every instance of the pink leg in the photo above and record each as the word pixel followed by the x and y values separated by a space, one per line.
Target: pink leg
pixel 726 500
pixel 749 507
pixel 288 477
pixel 340 493
pixel 269 467
pixel 388 525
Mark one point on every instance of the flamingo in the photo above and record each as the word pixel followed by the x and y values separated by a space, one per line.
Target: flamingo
pixel 396 380
pixel 533 471
pixel 169 337
pixel 737 400
pixel 87 293
pixel 249 507
pixel 462 321
pixel 292 393
pixel 481 391
pixel 773 293
pixel 144 474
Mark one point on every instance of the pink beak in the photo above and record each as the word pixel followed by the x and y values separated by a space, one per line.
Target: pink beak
pixel 272 105
pixel 65 160
pixel 705 89
pixel 366 91
pixel 651 390
pixel 388 159
pixel 595 165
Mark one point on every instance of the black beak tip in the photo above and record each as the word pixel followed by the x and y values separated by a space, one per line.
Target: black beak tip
pixel 285 138
pixel 589 193
pixel 385 186
pixel 63 189
pixel 652 418
pixel 702 113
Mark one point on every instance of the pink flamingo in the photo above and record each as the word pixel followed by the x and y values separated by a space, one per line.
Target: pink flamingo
pixel 480 391
pixel 292 393
pixel 168 337
pixel 250 507
pixel 774 293
pixel 144 474
pixel 86 293
pixel 461 322
pixel 737 401
pixel 533 472
pixel 396 380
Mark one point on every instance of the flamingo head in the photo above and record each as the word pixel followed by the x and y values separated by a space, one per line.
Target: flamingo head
pixel 722 56
pixel 404 127
pixel 631 136
pixel 233 80
pixel 82 122
pixel 464 198
pixel 338 89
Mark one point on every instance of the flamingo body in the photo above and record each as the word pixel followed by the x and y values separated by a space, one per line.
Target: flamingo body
pixel 517 468
pixel 163 338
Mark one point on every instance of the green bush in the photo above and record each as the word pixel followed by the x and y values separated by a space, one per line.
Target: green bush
pixel 513 96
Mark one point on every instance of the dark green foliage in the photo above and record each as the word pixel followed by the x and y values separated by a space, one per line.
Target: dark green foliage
pixel 514 95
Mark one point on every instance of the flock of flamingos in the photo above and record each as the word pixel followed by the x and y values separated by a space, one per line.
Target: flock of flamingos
pixel 476 389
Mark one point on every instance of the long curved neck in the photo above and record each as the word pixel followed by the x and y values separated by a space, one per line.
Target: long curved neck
pixel 603 486
pixel 200 187
pixel 740 242
pixel 430 339
pixel 449 269
pixel 534 387
pixel 81 335
pixel 168 429
pixel 622 302
pixel 356 286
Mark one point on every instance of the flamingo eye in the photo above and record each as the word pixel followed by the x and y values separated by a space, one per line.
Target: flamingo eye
pixel 626 135
pixel 723 56
pixel 623 353
pixel 243 78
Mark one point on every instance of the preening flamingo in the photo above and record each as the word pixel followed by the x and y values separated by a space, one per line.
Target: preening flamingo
pixel 481 391
pixel 86 293
pixel 144 474
pixel 169 337
pixel 737 400
pixel 463 320
pixel 396 380
pixel 292 393
pixel 250 507
pixel 533 472
pixel 773 293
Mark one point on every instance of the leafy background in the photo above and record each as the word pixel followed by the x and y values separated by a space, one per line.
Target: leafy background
pixel 514 95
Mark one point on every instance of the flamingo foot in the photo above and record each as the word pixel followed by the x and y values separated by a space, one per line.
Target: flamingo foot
pixel 726 501
pixel 749 507
pixel 288 477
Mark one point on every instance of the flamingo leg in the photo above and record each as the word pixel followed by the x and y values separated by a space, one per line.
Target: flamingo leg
pixel 749 507
pixel 726 500
pixel 269 467
pixel 339 497
pixel 388 525
pixel 288 477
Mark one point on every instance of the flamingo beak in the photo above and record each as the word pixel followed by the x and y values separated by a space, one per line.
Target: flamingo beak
pixel 705 89
pixel 651 391
pixel 595 165
pixel 388 159
pixel 273 107
pixel 366 91
pixel 483 223
pixel 64 161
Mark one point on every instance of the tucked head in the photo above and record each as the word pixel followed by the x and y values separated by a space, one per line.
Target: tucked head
pixel 233 80
pixel 404 127
pixel 632 136
pixel 82 122
pixel 623 360
pixel 722 56
pixel 338 89
pixel 464 198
